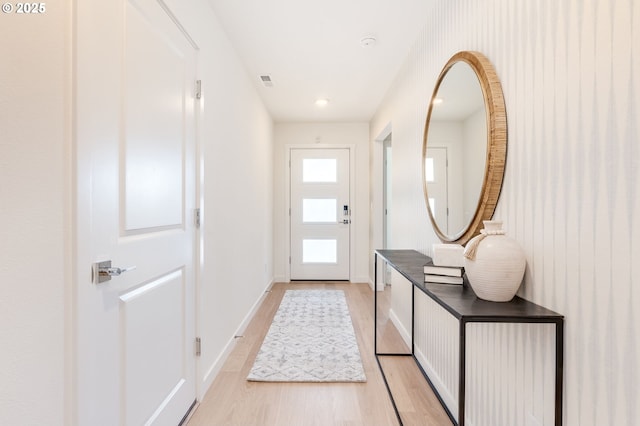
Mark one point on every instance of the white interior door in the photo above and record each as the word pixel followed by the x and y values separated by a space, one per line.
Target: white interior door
pixel 136 199
pixel 320 214
pixel 437 184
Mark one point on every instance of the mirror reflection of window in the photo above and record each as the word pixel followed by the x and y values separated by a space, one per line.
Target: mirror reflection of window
pixel 429 173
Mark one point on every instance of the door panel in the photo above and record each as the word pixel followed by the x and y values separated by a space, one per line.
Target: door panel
pixel 151 381
pixel 154 144
pixel 320 214
pixel 136 177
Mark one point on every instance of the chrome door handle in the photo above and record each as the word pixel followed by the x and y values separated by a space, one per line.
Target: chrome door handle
pixel 114 272
pixel 103 271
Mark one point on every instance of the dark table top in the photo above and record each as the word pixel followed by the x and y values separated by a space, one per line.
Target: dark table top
pixel 460 300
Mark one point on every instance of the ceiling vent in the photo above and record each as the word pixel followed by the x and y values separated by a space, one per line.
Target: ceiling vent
pixel 266 80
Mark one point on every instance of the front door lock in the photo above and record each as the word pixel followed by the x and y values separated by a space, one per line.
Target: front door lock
pixel 103 271
pixel 346 215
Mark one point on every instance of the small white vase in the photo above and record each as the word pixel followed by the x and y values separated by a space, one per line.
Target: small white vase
pixel 494 263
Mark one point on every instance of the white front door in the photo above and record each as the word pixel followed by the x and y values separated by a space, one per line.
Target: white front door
pixel 135 140
pixel 320 214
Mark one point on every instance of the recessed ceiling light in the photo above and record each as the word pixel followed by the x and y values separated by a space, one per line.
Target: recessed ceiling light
pixel 322 102
pixel 368 41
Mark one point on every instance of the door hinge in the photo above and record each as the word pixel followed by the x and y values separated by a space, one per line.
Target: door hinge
pixel 198 346
pixel 196 218
pixel 198 89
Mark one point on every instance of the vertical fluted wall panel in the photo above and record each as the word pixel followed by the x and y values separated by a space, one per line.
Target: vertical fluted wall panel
pixel 501 387
pixel 437 347
pixel 570 72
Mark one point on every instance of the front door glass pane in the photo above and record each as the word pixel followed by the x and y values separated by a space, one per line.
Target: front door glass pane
pixel 319 170
pixel 319 251
pixel 319 210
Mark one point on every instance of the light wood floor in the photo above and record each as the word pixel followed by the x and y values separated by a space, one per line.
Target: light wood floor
pixel 234 401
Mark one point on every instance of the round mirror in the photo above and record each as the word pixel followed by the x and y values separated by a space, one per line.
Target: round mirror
pixel 464 148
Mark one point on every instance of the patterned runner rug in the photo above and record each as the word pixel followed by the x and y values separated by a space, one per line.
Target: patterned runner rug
pixel 311 339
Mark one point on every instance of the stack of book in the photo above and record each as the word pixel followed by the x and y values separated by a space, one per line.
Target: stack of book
pixel 443 274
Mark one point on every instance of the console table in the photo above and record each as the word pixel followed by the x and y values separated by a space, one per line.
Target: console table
pixel 461 302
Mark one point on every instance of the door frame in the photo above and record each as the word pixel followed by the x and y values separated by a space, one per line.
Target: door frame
pixel 387 196
pixel 287 201
pixel 377 204
pixel 387 146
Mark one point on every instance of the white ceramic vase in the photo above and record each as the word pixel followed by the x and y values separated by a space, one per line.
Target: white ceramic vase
pixel 494 263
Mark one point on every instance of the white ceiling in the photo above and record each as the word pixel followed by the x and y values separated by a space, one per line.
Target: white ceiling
pixel 311 49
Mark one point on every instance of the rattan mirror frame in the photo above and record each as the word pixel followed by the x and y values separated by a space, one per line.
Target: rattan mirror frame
pixel 496 144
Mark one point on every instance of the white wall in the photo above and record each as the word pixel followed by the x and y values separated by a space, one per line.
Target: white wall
pixel 237 190
pixel 571 197
pixel 325 134
pixel 34 213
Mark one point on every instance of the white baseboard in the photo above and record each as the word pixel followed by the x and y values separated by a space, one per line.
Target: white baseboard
pixel 380 287
pixel 450 401
pixel 216 366
pixel 404 333
pixel 361 279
